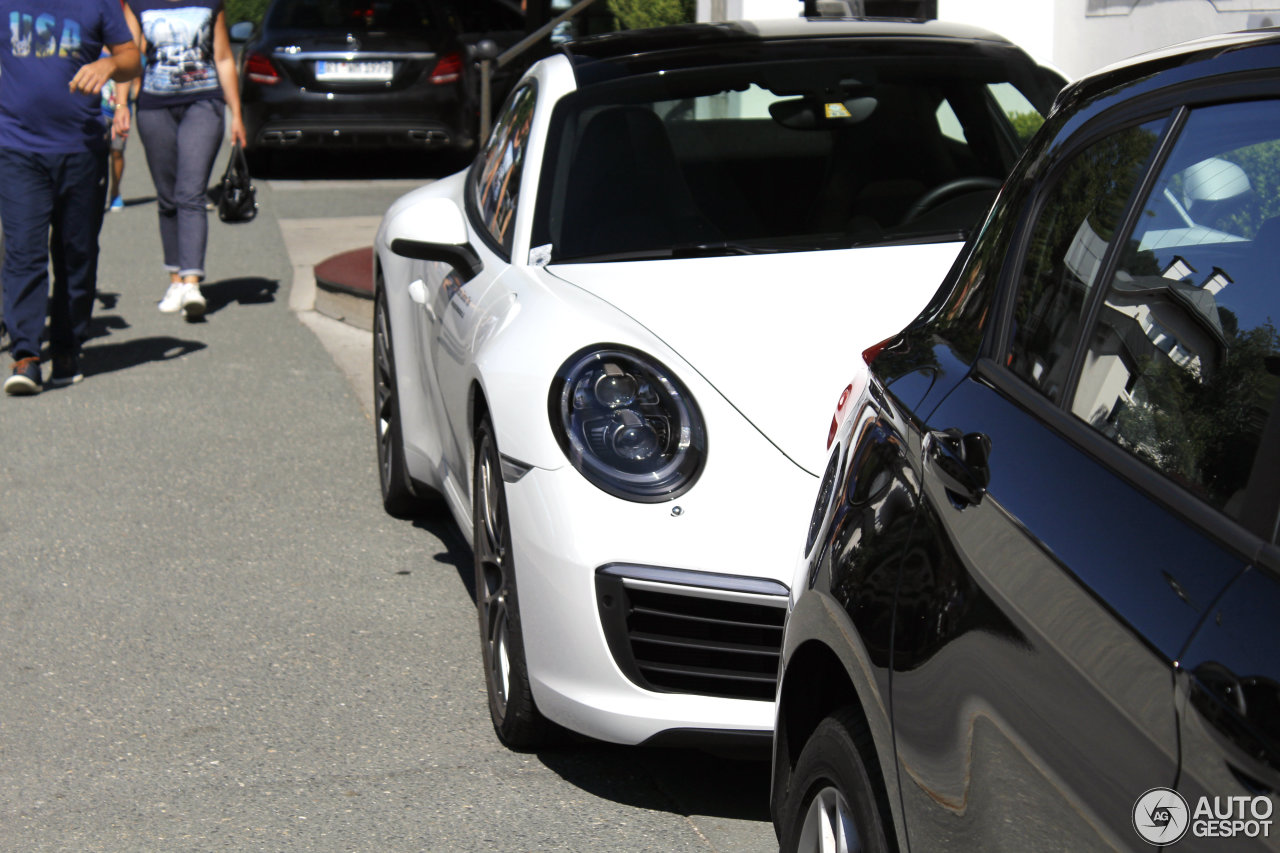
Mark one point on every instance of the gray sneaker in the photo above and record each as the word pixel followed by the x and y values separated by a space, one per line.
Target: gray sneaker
pixel 25 379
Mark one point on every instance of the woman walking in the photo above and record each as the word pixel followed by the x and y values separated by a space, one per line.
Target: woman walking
pixel 189 82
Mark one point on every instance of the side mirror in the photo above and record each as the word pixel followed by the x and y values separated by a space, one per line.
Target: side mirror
pixel 434 230
pixel 241 31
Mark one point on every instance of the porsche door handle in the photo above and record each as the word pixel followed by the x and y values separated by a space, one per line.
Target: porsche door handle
pixel 959 461
pixel 418 293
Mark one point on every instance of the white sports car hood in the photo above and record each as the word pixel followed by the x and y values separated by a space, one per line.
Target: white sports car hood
pixel 780 336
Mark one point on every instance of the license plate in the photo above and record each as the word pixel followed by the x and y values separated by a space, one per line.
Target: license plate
pixel 380 71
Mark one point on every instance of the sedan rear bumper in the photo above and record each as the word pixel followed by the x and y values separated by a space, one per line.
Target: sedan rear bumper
pixel 355 134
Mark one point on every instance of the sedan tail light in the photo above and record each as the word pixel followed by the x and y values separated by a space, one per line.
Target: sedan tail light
pixel 260 70
pixel 448 69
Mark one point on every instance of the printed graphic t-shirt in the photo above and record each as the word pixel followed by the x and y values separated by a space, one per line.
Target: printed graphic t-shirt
pixel 179 61
pixel 49 41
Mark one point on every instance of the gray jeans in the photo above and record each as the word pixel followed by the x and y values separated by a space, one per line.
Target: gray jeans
pixel 181 144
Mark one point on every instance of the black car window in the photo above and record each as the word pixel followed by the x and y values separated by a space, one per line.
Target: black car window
pixel 352 16
pixel 1078 219
pixel 496 186
pixel 1183 365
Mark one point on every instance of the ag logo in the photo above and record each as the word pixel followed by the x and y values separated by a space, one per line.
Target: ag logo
pixel 1161 816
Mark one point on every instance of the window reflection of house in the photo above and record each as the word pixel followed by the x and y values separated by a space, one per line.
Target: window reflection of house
pixel 1217 281
pixel 1084 256
pixel 1149 320
pixel 1059 307
pixel 1178 269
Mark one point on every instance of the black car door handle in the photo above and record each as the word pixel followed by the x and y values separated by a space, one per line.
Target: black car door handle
pixel 959 461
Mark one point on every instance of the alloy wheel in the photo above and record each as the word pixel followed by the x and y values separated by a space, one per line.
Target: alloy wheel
pixel 828 825
pixel 383 391
pixel 492 584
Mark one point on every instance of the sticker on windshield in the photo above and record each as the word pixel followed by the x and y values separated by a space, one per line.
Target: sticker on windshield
pixel 837 110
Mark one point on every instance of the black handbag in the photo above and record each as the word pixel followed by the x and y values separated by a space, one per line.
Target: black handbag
pixel 238 201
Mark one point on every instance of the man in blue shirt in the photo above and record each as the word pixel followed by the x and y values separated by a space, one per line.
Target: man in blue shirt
pixel 53 159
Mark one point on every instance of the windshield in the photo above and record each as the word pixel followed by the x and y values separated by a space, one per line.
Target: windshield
pixel 789 155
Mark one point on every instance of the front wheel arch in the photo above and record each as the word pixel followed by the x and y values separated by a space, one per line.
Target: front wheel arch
pixel 399 497
pixel 815 686
pixel 513 711
pixel 835 800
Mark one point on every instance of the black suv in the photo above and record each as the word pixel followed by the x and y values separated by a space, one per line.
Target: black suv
pixel 1040 602
pixel 367 74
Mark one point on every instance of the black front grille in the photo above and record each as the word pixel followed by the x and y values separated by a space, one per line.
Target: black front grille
pixel 673 641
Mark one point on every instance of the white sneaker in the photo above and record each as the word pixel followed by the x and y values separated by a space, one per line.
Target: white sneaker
pixel 173 297
pixel 193 303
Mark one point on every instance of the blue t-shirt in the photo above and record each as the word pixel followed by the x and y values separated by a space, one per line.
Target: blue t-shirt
pixel 49 41
pixel 179 61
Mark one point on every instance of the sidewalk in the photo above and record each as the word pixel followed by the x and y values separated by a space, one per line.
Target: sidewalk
pixel 309 243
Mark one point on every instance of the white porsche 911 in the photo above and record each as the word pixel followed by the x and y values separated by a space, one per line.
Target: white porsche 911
pixel 612 344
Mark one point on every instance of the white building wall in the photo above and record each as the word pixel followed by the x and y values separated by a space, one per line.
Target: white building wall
pixel 743 10
pixel 1075 36
pixel 1033 25
pixel 1078 36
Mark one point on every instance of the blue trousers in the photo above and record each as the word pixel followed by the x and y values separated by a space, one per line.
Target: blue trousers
pixel 51 208
pixel 181 143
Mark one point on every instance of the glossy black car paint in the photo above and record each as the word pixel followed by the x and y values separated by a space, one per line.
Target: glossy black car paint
pixel 429 103
pixel 619 55
pixel 1033 626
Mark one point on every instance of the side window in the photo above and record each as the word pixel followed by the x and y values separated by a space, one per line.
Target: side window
pixel 1022 116
pixel 497 185
pixel 1020 113
pixel 1183 366
pixel 948 123
pixel 1077 221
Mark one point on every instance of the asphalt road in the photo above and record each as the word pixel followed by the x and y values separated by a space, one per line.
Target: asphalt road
pixel 212 636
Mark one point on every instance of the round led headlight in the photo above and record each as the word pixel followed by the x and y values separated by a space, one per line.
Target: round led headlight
pixel 627 424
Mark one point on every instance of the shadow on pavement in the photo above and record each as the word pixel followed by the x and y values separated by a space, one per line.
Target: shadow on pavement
pixel 107 358
pixel 437 521
pixel 681 781
pixel 242 291
pixel 102 326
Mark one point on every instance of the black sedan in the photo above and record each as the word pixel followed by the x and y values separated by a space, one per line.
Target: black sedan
pixel 368 74
pixel 1040 602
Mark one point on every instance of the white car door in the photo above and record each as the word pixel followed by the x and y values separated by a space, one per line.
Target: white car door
pixel 452 298
pixel 452 315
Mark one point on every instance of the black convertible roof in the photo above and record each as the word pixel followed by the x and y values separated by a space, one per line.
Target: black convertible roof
pixel 691 45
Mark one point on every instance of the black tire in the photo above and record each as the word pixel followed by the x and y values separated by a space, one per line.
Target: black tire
pixel 398 498
pixel 516 718
pixel 832 802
